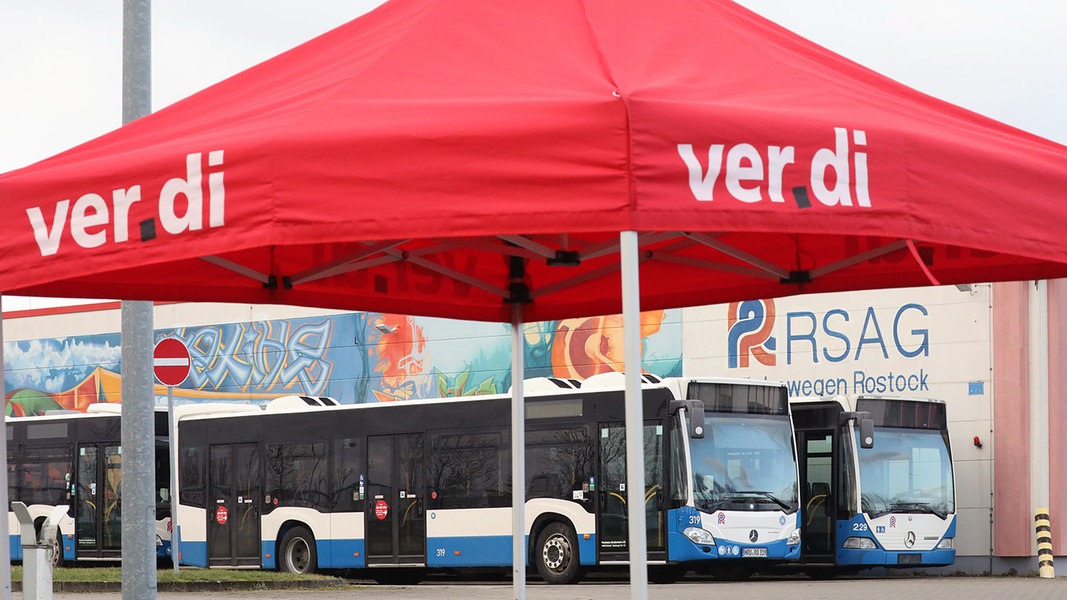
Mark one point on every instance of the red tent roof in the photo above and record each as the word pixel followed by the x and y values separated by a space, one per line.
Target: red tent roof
pixel 400 162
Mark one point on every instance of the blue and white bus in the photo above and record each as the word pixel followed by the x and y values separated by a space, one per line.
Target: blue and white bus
pixel 877 485
pixel 402 488
pixel 74 459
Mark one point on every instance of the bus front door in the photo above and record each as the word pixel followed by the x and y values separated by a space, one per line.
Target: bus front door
pixel 817 495
pixel 98 513
pixel 395 513
pixel 233 511
pixel 613 509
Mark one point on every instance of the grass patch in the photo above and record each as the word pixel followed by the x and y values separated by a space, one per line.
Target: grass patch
pixel 187 574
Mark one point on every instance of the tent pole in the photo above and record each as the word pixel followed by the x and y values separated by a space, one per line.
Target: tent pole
pixel 518 458
pixel 635 454
pixel 5 544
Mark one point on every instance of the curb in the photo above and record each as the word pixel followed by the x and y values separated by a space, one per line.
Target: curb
pixel 189 586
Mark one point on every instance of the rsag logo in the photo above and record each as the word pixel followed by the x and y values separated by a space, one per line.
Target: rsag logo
pixel 749 326
pixel 869 338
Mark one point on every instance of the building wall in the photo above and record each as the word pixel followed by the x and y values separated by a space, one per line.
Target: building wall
pixel 1011 434
pixel 1013 489
pixel 1057 357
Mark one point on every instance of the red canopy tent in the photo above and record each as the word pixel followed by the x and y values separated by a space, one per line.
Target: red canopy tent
pixel 390 163
pixel 462 158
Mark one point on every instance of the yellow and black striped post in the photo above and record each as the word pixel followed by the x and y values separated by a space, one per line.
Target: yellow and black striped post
pixel 1043 529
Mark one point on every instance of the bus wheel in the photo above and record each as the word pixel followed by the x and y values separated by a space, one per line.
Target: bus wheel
pixel 557 554
pixel 57 550
pixel 297 551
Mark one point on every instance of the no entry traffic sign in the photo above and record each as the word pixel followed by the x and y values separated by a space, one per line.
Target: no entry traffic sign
pixel 170 361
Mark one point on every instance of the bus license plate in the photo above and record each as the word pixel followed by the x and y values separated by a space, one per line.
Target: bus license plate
pixel 754 552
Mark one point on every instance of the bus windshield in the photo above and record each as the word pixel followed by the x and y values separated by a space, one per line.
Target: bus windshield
pixel 908 470
pixel 744 461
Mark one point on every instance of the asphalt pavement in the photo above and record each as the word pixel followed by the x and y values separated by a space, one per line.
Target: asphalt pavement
pixel 800 588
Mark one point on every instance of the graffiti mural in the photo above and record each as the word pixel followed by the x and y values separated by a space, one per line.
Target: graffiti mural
pixel 279 357
pixel 354 357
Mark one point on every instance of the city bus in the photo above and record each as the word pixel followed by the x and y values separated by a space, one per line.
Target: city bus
pixel 399 489
pixel 877 486
pixel 75 459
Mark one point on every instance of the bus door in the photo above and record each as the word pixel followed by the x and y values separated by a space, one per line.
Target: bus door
pixel 817 497
pixel 395 514
pixel 98 512
pixel 613 505
pixel 233 499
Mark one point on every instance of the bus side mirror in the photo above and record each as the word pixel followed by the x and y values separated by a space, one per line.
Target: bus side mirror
pixel 866 432
pixel 696 416
pixel 696 420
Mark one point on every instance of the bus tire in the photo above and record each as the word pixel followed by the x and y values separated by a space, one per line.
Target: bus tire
pixel 556 554
pixel 296 552
pixel 57 551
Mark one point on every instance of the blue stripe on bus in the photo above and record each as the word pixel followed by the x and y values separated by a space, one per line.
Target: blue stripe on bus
pixel 887 558
pixel 68 547
pixel 331 554
pixel 267 556
pixel 341 554
pixel 481 551
pixel 682 549
pixel 587 550
pixel 193 553
pixel 883 558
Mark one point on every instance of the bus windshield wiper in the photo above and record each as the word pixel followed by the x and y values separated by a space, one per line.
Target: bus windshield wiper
pixel 710 506
pixel 880 513
pixel 768 496
pixel 919 507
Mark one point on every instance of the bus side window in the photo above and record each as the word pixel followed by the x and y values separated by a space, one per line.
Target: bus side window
pixel 470 470
pixel 559 464
pixel 192 488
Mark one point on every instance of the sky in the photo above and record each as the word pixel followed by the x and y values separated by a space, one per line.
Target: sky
pixel 61 60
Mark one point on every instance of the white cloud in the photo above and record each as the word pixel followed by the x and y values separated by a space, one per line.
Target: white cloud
pixel 55 365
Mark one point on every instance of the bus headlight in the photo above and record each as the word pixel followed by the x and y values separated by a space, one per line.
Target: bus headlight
pixel 947 544
pixel 794 537
pixel 699 536
pixel 859 543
